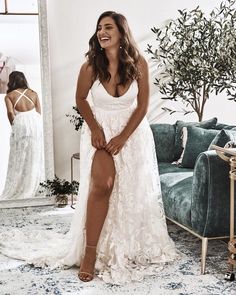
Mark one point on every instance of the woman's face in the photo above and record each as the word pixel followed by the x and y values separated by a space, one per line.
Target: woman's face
pixel 107 33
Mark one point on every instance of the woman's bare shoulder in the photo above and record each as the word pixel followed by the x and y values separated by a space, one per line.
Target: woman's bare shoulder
pixel 10 95
pixel 142 63
pixel 7 97
pixel 142 68
pixel 86 74
pixel 86 69
pixel 32 92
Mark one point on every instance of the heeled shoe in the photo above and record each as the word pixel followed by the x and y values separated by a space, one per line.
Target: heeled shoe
pixel 87 276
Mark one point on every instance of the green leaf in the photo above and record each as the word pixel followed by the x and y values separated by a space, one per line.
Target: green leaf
pixel 198 50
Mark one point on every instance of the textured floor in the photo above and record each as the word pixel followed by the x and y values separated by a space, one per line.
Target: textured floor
pixel 182 278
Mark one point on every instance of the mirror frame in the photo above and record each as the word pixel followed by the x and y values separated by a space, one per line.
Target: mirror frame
pixel 46 112
pixel 46 90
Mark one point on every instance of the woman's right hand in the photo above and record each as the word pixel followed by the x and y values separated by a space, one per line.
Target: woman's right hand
pixel 98 138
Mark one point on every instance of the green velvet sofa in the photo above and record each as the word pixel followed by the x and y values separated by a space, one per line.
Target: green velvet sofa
pixel 195 196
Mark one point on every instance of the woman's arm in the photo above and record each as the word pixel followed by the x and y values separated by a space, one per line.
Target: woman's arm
pixel 84 83
pixel 37 104
pixel 116 143
pixel 10 109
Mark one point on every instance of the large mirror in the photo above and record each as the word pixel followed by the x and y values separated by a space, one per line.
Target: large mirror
pixel 24 47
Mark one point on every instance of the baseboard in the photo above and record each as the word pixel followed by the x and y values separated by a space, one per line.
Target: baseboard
pixel 30 202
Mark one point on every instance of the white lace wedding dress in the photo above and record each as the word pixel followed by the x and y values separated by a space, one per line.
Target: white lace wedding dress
pixel 25 164
pixel 134 241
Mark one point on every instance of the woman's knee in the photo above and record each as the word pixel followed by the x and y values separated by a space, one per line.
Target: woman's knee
pixel 102 188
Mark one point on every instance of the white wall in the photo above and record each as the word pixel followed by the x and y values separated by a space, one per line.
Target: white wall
pixel 71 24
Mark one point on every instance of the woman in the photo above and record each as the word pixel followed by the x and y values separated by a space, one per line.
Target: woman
pixel 25 165
pixel 119 226
pixel 125 223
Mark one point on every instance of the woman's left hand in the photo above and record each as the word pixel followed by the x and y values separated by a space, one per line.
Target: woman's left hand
pixel 115 144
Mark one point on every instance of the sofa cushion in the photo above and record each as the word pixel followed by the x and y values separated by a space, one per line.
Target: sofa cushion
pixel 223 137
pixel 176 186
pixel 198 141
pixel 208 124
pixel 220 126
pixel 184 140
pixel 164 137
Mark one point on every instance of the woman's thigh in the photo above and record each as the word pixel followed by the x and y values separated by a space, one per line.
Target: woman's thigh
pixel 103 170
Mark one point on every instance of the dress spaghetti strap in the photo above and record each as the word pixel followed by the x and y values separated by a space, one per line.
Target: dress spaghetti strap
pixel 21 95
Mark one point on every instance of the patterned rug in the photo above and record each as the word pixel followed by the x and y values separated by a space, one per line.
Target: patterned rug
pixel 181 278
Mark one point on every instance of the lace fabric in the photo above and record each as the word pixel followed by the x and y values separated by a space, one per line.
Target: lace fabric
pixel 134 241
pixel 25 165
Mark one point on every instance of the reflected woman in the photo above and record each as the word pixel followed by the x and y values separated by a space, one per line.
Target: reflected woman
pixel 25 165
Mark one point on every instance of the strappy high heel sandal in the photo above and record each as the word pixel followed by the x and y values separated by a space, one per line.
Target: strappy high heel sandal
pixel 85 274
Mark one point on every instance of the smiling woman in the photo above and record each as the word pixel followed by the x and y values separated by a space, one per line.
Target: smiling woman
pixel 23 33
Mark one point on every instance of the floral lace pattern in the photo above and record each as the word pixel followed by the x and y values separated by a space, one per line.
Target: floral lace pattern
pixel 134 241
pixel 25 165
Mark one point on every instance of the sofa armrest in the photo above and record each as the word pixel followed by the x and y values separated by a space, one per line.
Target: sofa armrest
pixel 211 194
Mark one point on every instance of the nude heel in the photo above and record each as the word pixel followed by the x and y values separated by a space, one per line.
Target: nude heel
pixel 87 276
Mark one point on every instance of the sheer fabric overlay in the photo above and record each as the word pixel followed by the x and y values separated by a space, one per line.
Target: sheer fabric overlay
pixel 25 165
pixel 134 241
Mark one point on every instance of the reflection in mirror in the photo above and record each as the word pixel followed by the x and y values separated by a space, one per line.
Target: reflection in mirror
pixel 25 162
pixel 24 48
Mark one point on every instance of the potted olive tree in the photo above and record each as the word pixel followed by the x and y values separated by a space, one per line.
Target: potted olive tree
pixel 60 188
pixel 195 56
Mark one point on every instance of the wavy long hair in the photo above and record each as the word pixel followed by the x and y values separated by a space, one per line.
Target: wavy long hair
pixel 128 55
pixel 17 80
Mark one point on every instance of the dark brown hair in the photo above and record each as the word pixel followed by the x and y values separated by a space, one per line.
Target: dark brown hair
pixel 128 56
pixel 16 80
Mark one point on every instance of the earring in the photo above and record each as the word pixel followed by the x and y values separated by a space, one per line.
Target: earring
pixel 121 47
pixel 101 49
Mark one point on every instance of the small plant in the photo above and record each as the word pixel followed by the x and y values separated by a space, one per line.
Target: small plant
pixel 76 119
pixel 57 187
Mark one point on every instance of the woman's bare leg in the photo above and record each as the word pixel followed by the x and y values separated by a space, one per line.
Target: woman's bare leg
pixel 102 180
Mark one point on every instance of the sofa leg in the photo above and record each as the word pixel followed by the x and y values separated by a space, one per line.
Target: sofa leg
pixel 204 254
